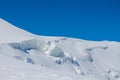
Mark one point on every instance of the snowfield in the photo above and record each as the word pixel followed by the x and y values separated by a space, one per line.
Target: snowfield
pixel 26 56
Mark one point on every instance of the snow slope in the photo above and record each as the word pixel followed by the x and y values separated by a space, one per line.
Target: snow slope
pixel 25 56
pixel 10 33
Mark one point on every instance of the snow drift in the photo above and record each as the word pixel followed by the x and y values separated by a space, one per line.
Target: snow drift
pixel 25 56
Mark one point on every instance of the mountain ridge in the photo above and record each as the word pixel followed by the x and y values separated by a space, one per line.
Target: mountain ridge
pixel 31 57
pixel 9 32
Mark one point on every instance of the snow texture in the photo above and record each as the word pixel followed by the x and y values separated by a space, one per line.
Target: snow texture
pixel 25 56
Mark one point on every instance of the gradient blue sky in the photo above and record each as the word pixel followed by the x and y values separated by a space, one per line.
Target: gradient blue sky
pixel 86 19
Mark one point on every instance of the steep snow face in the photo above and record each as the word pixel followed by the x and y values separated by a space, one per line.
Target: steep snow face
pixel 55 58
pixel 10 33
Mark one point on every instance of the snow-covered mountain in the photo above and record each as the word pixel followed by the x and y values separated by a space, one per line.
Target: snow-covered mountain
pixel 25 56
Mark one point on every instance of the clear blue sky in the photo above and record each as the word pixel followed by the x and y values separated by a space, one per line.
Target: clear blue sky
pixel 86 19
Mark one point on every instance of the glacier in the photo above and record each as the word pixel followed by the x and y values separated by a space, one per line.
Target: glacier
pixel 26 56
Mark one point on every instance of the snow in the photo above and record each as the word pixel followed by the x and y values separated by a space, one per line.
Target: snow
pixel 11 69
pixel 25 56
pixel 10 33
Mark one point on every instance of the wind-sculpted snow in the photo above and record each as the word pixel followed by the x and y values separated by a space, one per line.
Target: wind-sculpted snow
pixel 24 56
pixel 76 59
pixel 42 48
